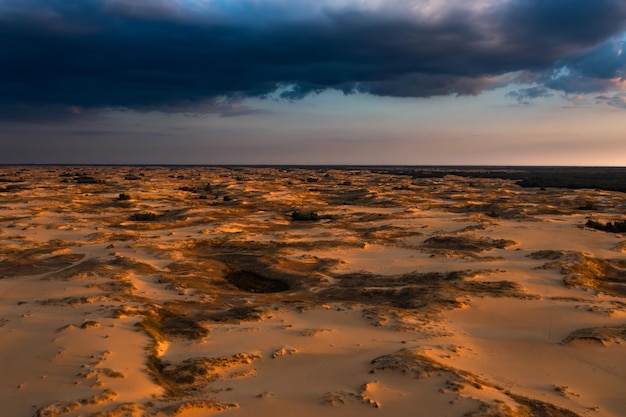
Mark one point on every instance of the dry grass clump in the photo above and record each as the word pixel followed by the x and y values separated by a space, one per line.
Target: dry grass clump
pixel 604 275
pixel 303 216
pixel 90 324
pixel 234 315
pixel 466 243
pixel 547 254
pixel 587 272
pixel 117 268
pixel 162 324
pixel 72 301
pixel 430 292
pixel 191 375
pixel 605 335
pixel 417 365
pixel 104 237
pixel 121 410
pixel 12 188
pixel 60 408
pixel 194 373
pixel 144 217
pixel 36 261
pixel 526 407
pixel 613 227
pixel 408 362
pixel 535 408
pixel 196 405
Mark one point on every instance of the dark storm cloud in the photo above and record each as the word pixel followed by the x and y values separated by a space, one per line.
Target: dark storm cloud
pixel 526 95
pixel 182 55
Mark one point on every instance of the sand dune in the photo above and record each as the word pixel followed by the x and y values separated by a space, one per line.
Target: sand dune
pixel 167 291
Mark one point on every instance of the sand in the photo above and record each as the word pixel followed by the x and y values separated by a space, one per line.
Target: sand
pixel 191 291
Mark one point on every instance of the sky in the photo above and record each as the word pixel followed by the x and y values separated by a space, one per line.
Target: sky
pixel 348 82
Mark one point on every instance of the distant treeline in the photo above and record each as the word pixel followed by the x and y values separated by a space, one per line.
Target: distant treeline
pixel 608 178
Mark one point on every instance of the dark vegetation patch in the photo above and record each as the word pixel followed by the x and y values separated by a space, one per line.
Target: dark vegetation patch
pixel 603 275
pixel 430 292
pixel 223 246
pixel 72 301
pixel 547 254
pixel 195 373
pixel 184 406
pixel 408 362
pixel 465 243
pixel 495 289
pixel 385 234
pixel 589 206
pixel 364 280
pixel 164 324
pixel 87 179
pixel 249 266
pixel 9 179
pixel 193 280
pixel 167 219
pixel 253 282
pixel 420 366
pixel 349 195
pixel 613 227
pixel 90 324
pixel 583 271
pixel 203 189
pixel 303 216
pixel 144 217
pixel 102 237
pixel 119 286
pixel 116 268
pixel 536 408
pixel 234 315
pixel 12 188
pixel 35 261
pixel 504 210
pixel 605 335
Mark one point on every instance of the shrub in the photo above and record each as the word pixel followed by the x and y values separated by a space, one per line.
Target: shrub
pixel 588 206
pixel 304 216
pixel 144 217
pixel 616 227
pixel 124 197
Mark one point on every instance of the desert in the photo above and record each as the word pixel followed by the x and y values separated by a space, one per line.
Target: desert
pixel 340 291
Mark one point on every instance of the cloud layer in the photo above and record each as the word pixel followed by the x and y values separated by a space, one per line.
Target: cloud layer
pixel 171 55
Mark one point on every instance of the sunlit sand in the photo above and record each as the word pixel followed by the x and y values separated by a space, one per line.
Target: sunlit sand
pixel 190 291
